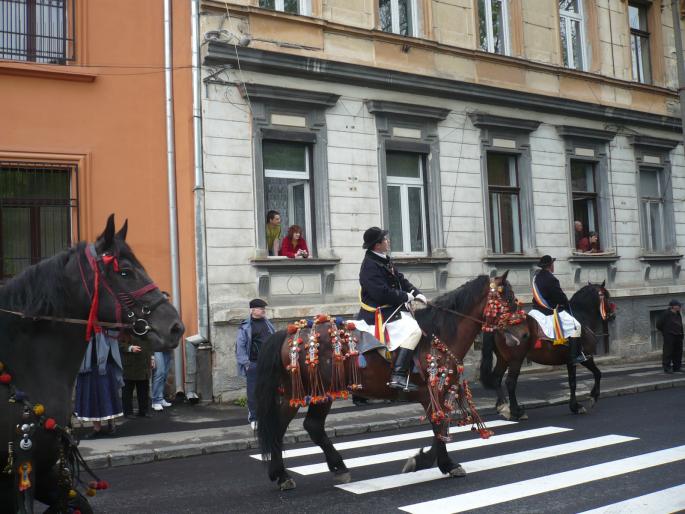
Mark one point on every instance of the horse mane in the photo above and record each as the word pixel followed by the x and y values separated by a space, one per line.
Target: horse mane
pixel 434 320
pixel 40 289
pixel 586 295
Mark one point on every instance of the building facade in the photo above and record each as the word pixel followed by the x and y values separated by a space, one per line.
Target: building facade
pixel 481 133
pixel 83 134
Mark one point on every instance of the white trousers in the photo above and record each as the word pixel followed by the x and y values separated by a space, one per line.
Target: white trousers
pixel 402 333
pixel 569 324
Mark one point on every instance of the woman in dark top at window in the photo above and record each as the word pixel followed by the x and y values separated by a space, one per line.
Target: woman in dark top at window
pixel 294 245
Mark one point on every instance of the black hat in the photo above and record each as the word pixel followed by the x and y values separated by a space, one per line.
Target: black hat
pixel 674 303
pixel 372 236
pixel 545 260
pixel 257 303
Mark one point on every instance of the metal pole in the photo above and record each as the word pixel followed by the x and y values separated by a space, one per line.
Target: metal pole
pixel 675 12
pixel 171 182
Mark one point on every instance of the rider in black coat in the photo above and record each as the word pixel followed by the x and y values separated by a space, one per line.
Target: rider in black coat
pixel 550 289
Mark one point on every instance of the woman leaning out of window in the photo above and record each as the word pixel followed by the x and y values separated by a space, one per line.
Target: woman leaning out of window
pixel 294 245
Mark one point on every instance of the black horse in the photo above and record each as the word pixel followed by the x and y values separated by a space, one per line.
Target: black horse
pixel 591 306
pixel 454 319
pixel 43 341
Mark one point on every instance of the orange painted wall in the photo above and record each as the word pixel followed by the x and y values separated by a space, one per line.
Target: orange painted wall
pixel 107 111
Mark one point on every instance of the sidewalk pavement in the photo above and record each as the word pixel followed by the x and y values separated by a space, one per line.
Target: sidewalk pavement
pixel 185 430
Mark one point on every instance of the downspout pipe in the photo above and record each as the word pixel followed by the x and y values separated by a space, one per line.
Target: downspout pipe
pixel 171 183
pixel 202 337
pixel 675 12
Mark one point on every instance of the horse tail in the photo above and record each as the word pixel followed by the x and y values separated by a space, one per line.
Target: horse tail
pixel 269 367
pixel 487 377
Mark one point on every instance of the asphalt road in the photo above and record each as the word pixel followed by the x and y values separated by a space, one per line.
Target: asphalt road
pixel 627 447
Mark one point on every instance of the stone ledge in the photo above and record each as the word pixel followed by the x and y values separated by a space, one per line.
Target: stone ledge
pixel 237 315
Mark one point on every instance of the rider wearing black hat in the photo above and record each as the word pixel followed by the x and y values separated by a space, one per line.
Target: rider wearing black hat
pixel 549 289
pixel 385 292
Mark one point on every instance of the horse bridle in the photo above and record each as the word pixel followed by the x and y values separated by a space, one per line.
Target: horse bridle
pixel 136 312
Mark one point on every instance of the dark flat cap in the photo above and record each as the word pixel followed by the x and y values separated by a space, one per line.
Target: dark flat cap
pixel 545 260
pixel 674 303
pixel 257 303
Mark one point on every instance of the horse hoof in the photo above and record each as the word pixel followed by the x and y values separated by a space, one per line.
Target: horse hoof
pixel 582 410
pixel 409 466
pixel 457 472
pixel 505 412
pixel 593 402
pixel 523 417
pixel 343 478
pixel 287 484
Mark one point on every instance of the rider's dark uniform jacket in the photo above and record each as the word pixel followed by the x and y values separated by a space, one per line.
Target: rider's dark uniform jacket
pixel 550 289
pixel 381 285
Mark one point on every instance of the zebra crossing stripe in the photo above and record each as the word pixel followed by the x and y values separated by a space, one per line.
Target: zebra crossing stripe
pixel 426 475
pixel 373 441
pixel 554 482
pixel 380 458
pixel 668 500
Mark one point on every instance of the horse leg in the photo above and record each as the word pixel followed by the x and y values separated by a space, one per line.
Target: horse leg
pixel 516 412
pixel 314 425
pixel 445 463
pixel 597 374
pixel 277 470
pixel 501 405
pixel 573 404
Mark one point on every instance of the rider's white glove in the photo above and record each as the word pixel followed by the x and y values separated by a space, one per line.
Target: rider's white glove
pixel 410 298
pixel 422 298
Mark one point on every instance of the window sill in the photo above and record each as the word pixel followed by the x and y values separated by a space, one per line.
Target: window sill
pixel 511 259
pixel 48 71
pixel 581 258
pixel 660 257
pixel 286 263
pixel 428 260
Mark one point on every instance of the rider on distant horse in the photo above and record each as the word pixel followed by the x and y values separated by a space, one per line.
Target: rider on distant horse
pixel 547 294
pixel 385 293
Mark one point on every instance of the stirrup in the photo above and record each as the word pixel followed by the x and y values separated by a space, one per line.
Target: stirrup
pixel 401 382
pixel 580 358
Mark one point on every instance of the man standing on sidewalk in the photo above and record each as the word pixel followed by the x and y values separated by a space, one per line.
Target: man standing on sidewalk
pixel 671 326
pixel 254 331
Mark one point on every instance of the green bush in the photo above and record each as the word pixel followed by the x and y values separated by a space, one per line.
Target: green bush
pixel 240 402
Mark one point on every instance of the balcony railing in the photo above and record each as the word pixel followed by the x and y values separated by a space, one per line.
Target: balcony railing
pixel 37 30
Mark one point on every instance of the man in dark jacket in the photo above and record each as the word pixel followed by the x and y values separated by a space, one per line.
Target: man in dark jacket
pixel 384 296
pixel 548 295
pixel 136 362
pixel 670 324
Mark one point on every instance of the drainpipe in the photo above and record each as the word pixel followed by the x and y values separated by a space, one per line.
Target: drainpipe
pixel 675 11
pixel 200 340
pixel 171 184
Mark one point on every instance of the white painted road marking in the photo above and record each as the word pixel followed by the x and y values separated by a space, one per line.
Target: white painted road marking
pixel 499 461
pixel 554 482
pixel 380 458
pixel 668 500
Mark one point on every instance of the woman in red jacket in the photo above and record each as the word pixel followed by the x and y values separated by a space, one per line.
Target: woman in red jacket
pixel 294 245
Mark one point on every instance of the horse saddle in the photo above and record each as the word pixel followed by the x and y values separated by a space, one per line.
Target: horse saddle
pixel 367 343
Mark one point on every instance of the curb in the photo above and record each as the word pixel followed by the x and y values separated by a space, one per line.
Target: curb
pixel 128 458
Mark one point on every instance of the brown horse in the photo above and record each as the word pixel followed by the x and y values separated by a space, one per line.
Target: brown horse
pixel 454 318
pixel 591 307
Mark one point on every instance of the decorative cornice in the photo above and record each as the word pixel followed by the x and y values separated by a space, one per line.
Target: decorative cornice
pixel 655 143
pixel 588 134
pixel 275 94
pixel 402 109
pixel 491 121
pixel 253 59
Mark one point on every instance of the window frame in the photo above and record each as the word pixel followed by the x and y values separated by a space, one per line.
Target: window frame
pixel 404 183
pixel 645 219
pixel 508 190
pixel 395 18
pixel 304 7
pixel 594 196
pixel 567 18
pixel 489 35
pixel 71 204
pixel 638 35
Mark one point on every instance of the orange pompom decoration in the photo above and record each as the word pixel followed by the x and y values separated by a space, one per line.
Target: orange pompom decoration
pixel 50 424
pixel 351 325
pixel 90 492
pixel 72 494
pixel 5 378
pixel 292 329
pixel 103 484
pixel 38 409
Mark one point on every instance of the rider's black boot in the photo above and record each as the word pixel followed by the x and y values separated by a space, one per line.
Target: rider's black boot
pixel 400 372
pixel 575 353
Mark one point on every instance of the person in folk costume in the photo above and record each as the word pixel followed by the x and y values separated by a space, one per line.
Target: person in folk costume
pixel 548 297
pixel 384 298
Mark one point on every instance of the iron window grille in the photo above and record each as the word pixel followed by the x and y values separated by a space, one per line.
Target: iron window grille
pixel 37 30
pixel 38 213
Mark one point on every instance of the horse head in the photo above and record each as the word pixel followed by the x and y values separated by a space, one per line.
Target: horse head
pixel 119 290
pixel 503 313
pixel 593 301
pixel 607 309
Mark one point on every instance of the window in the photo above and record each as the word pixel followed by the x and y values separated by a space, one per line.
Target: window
pixel 639 42
pixel 656 338
pixel 652 209
pixel 493 26
pixel 584 192
pixel 399 17
pixel 37 30
pixel 290 6
pixel 406 202
pixel 36 209
pixel 572 32
pixel 505 213
pixel 287 184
